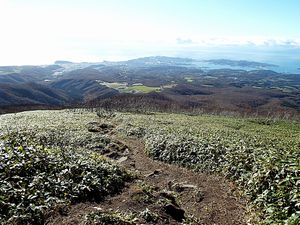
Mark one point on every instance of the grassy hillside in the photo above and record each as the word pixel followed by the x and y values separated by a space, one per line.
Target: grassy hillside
pixel 50 159
pixel 260 155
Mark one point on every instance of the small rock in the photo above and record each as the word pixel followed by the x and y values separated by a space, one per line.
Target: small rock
pixel 117 146
pixel 100 150
pixel 154 173
pixel 179 187
pixel 126 152
pixel 199 196
pixel 170 184
pixel 98 208
pixel 188 186
pixel 99 127
pixel 122 159
pixel 113 155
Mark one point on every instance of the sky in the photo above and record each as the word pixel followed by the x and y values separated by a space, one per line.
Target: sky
pixel 40 32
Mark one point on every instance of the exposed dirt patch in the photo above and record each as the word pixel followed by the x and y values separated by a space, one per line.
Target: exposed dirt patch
pixel 170 192
pixel 208 197
pixel 102 128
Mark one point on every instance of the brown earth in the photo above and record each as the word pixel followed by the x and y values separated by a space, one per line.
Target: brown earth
pixel 209 198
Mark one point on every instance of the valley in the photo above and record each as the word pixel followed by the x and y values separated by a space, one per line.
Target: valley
pixel 150 112
pixel 156 140
pixel 178 81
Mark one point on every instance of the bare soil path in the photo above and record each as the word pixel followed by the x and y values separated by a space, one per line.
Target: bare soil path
pixel 209 198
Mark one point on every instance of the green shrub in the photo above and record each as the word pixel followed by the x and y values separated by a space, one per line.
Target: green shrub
pixel 108 218
pixel 34 180
pixel 262 158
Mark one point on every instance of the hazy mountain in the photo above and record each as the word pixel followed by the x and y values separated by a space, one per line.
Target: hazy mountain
pixel 29 73
pixel 159 60
pixel 239 63
pixel 62 62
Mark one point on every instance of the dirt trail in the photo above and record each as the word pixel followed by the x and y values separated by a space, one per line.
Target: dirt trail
pixel 208 197
pixel 219 205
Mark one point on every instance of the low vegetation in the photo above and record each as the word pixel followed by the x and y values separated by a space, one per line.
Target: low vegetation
pixel 42 171
pixel 142 89
pixel 260 155
pixel 50 159
pixel 135 88
pixel 113 218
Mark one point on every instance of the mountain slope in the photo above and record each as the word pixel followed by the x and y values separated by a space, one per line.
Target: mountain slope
pixel 185 82
pixel 31 94
pixel 27 73
pixel 83 90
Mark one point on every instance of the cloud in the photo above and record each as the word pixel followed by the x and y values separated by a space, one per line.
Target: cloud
pixel 239 41
pixel 181 41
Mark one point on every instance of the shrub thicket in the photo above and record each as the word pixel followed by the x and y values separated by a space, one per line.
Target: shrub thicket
pixel 35 180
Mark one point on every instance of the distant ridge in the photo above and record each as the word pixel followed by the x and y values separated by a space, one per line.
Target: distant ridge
pixel 62 62
pixel 240 63
pixel 160 60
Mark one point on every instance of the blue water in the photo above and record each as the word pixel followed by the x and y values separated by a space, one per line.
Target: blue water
pixel 282 67
pixel 287 59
